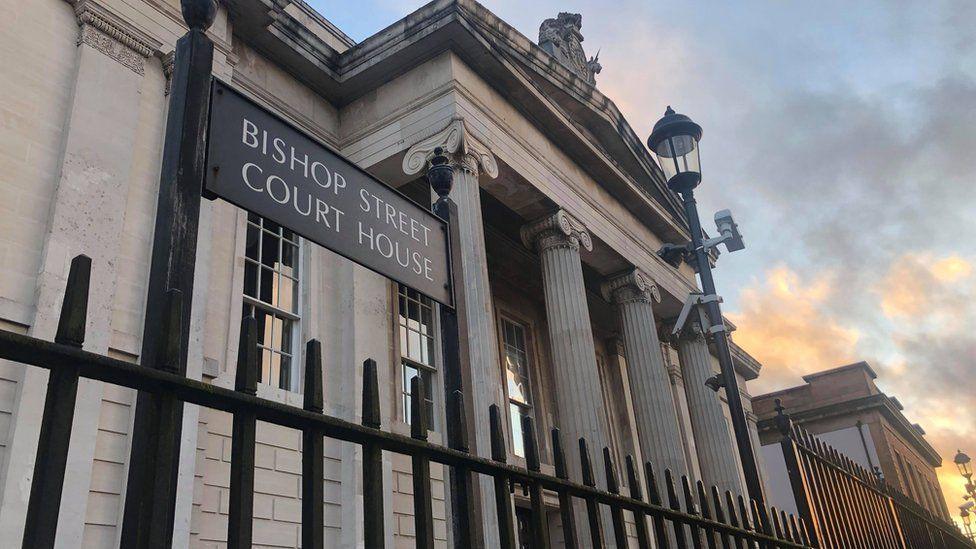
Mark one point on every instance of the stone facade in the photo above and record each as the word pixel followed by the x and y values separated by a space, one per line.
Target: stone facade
pixel 559 229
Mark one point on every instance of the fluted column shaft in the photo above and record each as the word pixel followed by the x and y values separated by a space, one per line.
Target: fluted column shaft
pixel 654 409
pixel 480 372
pixel 716 449
pixel 579 398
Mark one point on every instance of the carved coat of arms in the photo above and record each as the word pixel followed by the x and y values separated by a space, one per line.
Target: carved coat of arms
pixel 561 38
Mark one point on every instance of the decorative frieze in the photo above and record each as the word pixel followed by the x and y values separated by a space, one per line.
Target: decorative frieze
pixel 558 229
pixel 466 153
pixel 113 37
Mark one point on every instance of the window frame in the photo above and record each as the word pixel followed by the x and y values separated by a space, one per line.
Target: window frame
pixel 402 361
pixel 531 357
pixel 273 311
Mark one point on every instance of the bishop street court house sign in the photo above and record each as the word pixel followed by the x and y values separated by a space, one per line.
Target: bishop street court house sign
pixel 267 166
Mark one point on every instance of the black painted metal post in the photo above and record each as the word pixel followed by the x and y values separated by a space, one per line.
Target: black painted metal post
pixel 313 451
pixel 466 527
pixel 373 525
pixel 503 499
pixel 540 526
pixel 422 499
pixel 240 522
pixel 566 513
pixel 740 425
pixel 59 411
pixel 153 460
pixel 801 492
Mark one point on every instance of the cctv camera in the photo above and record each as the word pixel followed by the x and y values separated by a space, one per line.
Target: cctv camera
pixel 968 505
pixel 730 230
pixel 672 254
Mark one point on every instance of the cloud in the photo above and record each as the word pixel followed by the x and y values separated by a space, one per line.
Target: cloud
pixel 782 323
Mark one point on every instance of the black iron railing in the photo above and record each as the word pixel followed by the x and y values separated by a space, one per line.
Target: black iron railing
pixel 695 518
pixel 848 507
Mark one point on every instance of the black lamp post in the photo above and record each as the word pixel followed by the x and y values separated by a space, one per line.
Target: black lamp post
pixel 964 463
pixel 674 141
pixel 967 520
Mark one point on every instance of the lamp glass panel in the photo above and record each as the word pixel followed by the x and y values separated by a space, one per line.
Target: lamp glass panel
pixel 678 154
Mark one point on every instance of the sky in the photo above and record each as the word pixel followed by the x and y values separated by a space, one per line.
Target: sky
pixel 843 137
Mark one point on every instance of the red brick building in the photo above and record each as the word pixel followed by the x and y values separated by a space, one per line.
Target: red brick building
pixel 845 408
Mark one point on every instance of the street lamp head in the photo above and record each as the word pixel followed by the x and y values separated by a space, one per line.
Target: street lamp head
pixel 674 141
pixel 962 461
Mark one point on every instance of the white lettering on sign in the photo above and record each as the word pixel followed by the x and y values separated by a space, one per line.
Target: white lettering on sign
pixel 267 166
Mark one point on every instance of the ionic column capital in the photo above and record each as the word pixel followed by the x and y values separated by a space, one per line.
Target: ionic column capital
pixel 629 287
pixel 464 151
pixel 556 230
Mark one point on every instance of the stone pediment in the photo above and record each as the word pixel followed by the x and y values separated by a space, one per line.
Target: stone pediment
pixel 564 104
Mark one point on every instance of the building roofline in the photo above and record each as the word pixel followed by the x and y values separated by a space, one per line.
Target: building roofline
pixel 880 402
pixel 853 366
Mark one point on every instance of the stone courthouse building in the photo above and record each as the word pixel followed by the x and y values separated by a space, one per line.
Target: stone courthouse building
pixel 561 212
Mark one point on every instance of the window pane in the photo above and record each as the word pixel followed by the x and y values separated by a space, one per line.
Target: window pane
pixel 269 249
pixel 250 279
pixel 287 298
pixel 286 372
pixel 267 286
pixel 289 259
pixel 251 249
pixel 263 325
pixel 518 440
pixel 265 366
pixel 287 335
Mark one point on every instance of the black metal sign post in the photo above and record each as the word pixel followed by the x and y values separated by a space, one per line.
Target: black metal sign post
pixel 465 525
pixel 154 455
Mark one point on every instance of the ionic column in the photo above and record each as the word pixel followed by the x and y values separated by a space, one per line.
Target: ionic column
pixel 482 376
pixel 558 238
pixel 657 422
pixel 716 449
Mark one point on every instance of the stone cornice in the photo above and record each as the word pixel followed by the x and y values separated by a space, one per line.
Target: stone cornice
pixel 113 36
pixel 849 408
pixel 558 229
pixel 466 153
pixel 629 287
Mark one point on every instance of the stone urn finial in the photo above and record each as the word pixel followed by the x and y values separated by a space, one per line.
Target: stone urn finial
pixel 199 14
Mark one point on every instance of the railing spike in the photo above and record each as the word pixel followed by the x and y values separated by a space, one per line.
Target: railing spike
pixel 371 395
pixel 616 512
pixel 418 408
pixel 640 519
pixel 592 510
pixel 705 512
pixel 313 400
pixel 373 524
pixel 422 497
pixel 74 307
pixel 654 497
pixel 313 451
pixel 679 530
pixel 503 501
pixel 531 444
pixel 59 408
pixel 691 509
pixel 460 421
pixel 243 442
pixel 566 512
